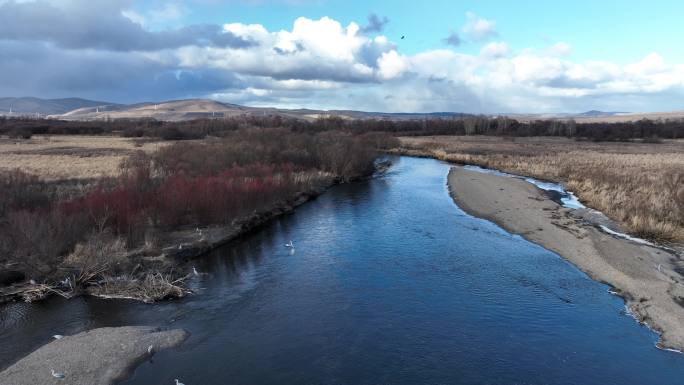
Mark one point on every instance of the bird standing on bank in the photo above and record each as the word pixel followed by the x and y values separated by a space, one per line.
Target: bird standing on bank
pixel 57 374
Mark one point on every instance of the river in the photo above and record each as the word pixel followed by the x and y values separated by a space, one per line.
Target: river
pixel 390 283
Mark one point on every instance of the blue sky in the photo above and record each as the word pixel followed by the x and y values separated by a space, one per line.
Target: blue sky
pixel 620 31
pixel 503 56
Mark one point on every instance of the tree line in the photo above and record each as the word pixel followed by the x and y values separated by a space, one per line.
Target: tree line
pixel 468 125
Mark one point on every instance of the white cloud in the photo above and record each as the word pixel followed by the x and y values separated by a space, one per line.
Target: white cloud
pixel 479 29
pixel 560 49
pixel 134 16
pixel 316 63
pixel 170 11
pixel 494 50
pixel 313 50
pixel 392 65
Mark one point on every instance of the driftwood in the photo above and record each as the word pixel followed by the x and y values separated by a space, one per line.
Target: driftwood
pixel 151 288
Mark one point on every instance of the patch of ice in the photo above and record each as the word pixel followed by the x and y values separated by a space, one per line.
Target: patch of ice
pixel 568 199
pixel 625 236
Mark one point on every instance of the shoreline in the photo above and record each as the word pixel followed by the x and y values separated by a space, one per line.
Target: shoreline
pixel 181 246
pixel 644 276
pixel 101 356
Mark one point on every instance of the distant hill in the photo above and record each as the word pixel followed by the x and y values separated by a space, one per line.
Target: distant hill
pixel 595 116
pixel 33 106
pixel 188 109
pixel 595 113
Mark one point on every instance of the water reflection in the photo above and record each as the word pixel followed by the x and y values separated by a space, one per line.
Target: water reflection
pixel 390 283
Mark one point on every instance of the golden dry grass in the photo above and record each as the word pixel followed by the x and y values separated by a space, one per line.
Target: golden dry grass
pixel 639 185
pixel 70 156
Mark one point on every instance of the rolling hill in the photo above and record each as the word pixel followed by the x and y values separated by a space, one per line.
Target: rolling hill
pixel 189 109
pixel 176 110
pixel 36 106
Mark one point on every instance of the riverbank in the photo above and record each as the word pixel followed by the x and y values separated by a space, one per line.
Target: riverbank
pixel 168 267
pixel 96 357
pixel 647 278
pixel 131 235
pixel 163 270
pixel 638 185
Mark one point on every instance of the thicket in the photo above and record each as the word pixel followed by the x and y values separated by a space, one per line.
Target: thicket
pixel 214 181
pixel 649 130
pixel 501 126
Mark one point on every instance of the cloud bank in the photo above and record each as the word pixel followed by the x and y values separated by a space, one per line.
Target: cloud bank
pixel 107 51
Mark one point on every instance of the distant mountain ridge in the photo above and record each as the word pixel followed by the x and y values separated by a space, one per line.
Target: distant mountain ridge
pixel 596 113
pixel 189 109
pixel 37 106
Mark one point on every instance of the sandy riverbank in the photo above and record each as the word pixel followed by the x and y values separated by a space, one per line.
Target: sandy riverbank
pixel 96 357
pixel 645 276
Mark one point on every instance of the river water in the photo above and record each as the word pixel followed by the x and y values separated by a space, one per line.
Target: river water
pixel 390 283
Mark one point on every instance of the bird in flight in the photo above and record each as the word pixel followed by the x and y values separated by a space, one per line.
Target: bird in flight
pixel 402 37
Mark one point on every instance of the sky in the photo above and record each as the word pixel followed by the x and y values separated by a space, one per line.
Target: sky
pixel 482 56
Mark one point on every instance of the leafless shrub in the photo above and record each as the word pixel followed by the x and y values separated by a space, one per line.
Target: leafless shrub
pixel 101 252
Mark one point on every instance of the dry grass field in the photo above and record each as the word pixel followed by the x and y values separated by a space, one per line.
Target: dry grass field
pixel 639 185
pixel 55 158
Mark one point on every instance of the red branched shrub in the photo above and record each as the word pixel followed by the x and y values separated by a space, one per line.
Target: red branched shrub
pixel 185 184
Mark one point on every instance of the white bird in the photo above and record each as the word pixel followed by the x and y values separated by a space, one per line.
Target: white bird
pixel 291 245
pixel 180 246
pixel 58 336
pixel 194 271
pixel 56 374
pixel 178 382
pixel 32 282
pixel 66 282
pixel 150 350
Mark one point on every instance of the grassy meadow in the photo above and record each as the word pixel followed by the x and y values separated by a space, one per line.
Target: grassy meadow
pixel 639 185
pixel 58 157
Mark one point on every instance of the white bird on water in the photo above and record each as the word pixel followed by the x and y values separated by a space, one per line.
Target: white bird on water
pixel 56 374
pixel 290 245
pixel 178 382
pixel 194 271
pixel 58 336
pixel 150 350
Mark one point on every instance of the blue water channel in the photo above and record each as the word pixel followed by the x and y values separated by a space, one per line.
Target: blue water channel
pixel 390 283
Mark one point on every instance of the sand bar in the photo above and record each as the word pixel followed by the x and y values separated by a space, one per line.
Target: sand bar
pixel 644 276
pixel 95 357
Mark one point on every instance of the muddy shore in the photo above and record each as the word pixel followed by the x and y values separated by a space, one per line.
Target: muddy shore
pixel 644 276
pixel 95 357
